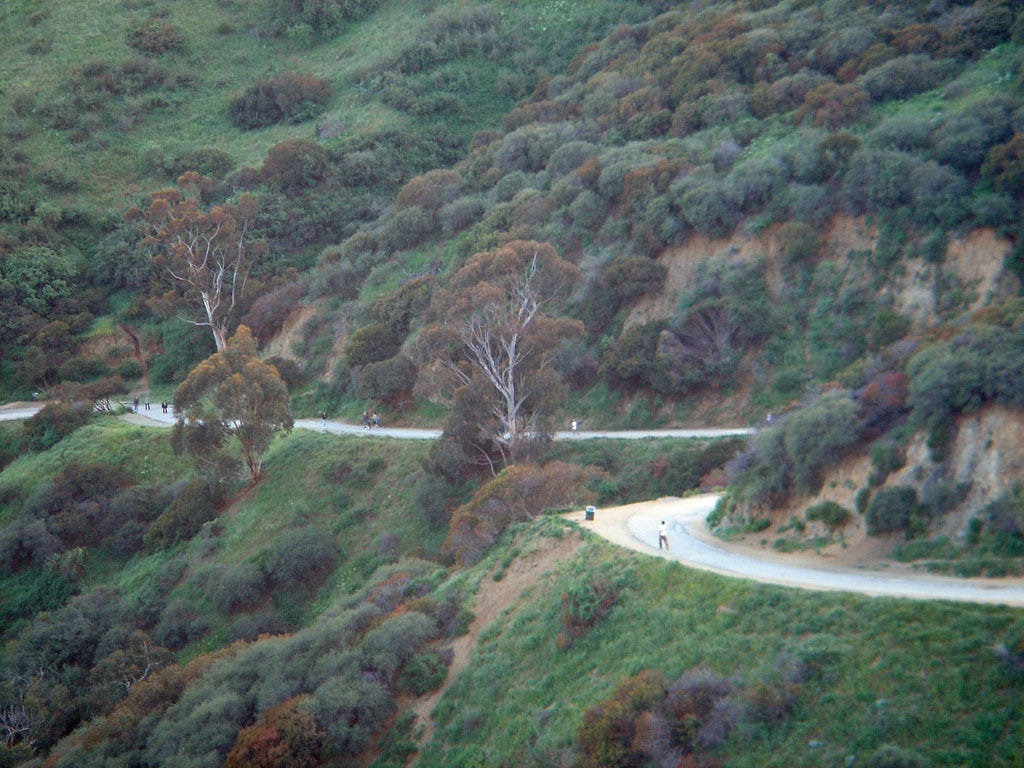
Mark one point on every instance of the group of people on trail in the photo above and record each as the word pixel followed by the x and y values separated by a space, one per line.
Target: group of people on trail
pixel 146 404
pixel 370 420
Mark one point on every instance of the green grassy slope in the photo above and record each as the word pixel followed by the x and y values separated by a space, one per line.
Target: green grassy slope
pixel 802 678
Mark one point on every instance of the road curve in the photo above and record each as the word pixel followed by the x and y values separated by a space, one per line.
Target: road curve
pixel 636 526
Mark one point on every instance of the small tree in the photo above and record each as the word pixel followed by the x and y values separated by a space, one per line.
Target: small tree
pixel 234 392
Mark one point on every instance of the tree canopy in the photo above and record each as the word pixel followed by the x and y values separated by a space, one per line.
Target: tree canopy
pixel 206 253
pixel 233 392
pixel 494 330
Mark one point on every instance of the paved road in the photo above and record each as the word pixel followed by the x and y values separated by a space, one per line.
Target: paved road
pixel 636 526
pixel 154 416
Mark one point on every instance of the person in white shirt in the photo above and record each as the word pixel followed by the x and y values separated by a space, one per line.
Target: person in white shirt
pixel 662 535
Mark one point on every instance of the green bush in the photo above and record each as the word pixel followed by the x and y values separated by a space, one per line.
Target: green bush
pixel 632 277
pixel 406 228
pixel 372 343
pixel 234 588
pixel 83 368
pixel 891 509
pixel 833 515
pixel 389 381
pixel 184 347
pixel 156 36
pixel 207 161
pixel 130 369
pixel 303 556
pixel 816 437
pixel 424 672
pixel 287 97
pixel 52 424
pixel 193 505
pixel 903 76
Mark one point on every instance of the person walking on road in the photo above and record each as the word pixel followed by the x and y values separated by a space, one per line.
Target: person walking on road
pixel 323 419
pixel 366 420
pixel 663 535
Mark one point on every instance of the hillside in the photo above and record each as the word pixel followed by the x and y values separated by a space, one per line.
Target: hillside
pixel 218 650
pixel 498 219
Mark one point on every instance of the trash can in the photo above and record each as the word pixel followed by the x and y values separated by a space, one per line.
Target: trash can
pixel 589 513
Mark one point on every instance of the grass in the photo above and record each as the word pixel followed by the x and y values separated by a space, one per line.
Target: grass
pixel 896 671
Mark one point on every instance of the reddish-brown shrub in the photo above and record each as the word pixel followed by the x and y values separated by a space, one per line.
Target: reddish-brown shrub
pixel 430 191
pixel 608 734
pixel 286 736
pixel 882 401
pixel 834 106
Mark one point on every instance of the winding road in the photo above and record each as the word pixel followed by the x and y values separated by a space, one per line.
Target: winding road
pixel 635 526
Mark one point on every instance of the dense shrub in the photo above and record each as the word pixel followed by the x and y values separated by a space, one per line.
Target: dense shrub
pixel 832 515
pixel 584 604
pixel 518 492
pixel 207 161
pixel 946 379
pixel 53 423
pixel 430 191
pixel 406 228
pixel 270 311
pixel 882 402
pixel 891 509
pixel 184 347
pixel 388 381
pixel 294 163
pixel 285 736
pixel 422 673
pixel 459 214
pixel 234 588
pixel 341 279
pixel 633 277
pixel 816 437
pixel 1004 165
pixel 83 368
pixel 647 721
pixel 902 77
pixel 156 36
pixel 372 343
pixel 303 556
pixel 349 711
pixel 1002 521
pixel 630 362
pixel 193 505
pixel 26 542
pixel 288 96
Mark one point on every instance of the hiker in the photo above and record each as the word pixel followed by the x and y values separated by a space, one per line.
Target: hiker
pixel 163 406
pixel 135 405
pixel 662 535
pixel 366 420
pixel 323 419
pixel 574 425
pixel 376 419
pixel 146 402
